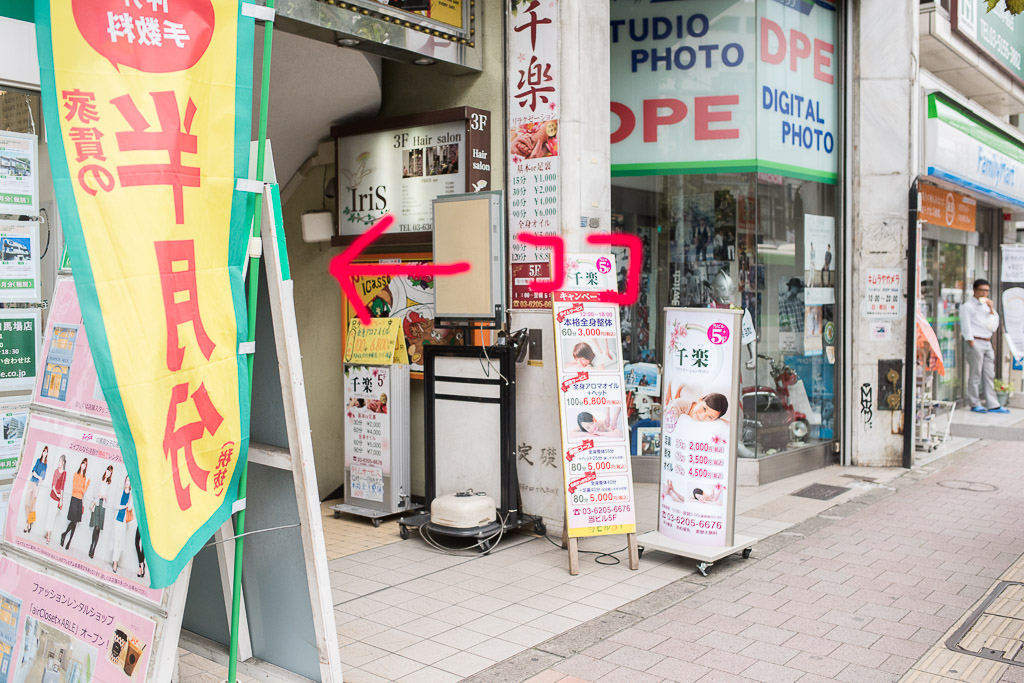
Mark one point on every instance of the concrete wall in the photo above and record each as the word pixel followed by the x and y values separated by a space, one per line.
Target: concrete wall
pixel 884 148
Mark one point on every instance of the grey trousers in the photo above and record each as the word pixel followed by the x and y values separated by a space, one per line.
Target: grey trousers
pixel 981 360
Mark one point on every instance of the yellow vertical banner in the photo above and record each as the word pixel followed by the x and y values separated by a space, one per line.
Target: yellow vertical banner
pixel 147 106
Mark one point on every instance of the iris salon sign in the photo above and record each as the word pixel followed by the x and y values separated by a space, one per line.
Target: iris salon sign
pixel 701 86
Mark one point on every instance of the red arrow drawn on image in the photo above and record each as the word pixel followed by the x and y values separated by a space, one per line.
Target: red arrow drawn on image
pixel 580 377
pixel 344 270
pixel 585 446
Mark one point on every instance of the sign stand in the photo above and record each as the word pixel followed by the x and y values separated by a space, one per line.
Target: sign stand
pixel 592 408
pixel 702 415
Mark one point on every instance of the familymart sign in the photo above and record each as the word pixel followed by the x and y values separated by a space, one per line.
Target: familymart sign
pixel 963 149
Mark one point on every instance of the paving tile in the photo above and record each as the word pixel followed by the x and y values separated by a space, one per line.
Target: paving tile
pixel 636 638
pixel 585 667
pixel 429 674
pixel 852 636
pixel 464 664
pixel 767 652
pixel 427 652
pixel 625 675
pixel 727 662
pixel 678 670
pixel 772 673
pixel 527 636
pixel 391 667
pixel 460 638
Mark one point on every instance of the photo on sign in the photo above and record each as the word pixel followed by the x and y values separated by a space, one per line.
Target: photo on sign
pixel 17 249
pixel 813 322
pixel 71 503
pixel 725 226
pixel 69 380
pixel 600 422
pixel 594 355
pixel 14 165
pixel 443 160
pixel 48 654
pixel 14 426
pixel 534 140
pixel 643 378
pixel 10 611
pixel 819 250
pixel 412 163
pixel 126 650
pixel 648 441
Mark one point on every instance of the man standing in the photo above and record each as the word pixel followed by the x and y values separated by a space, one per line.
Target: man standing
pixel 978 323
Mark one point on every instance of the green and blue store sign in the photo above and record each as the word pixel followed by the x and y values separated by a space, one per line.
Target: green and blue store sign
pixel 963 149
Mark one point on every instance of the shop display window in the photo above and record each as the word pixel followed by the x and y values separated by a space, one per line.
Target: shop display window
pixel 768 244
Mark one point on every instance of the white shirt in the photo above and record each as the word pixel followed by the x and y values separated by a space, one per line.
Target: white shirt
pixel 976 320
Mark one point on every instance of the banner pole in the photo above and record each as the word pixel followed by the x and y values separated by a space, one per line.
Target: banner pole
pixel 254 279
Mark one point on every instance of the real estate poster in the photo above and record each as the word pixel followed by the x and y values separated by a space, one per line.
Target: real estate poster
pixel 592 401
pixel 15 417
pixel 367 430
pixel 19 261
pixel 700 417
pixel 19 174
pixel 67 378
pixel 63 633
pixel 19 348
pixel 71 504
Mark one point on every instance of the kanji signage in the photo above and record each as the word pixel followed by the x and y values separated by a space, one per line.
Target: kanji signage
pixel 947 208
pixel 19 348
pixel 147 104
pixel 883 292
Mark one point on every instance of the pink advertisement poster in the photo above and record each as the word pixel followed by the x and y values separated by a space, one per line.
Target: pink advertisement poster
pixel 71 503
pixel 54 632
pixel 66 377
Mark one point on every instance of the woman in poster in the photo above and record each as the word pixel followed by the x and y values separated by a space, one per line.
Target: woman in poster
pixel 123 515
pixel 690 405
pixel 79 485
pixel 138 553
pixel 98 510
pixel 712 498
pixel 56 497
pixel 594 354
pixel 32 488
pixel 599 423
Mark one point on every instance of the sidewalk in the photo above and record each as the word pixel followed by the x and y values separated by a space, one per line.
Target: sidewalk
pixel 860 593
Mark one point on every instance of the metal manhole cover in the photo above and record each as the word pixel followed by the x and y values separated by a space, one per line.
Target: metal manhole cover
pixel 975 486
pixel 996 629
pixel 820 492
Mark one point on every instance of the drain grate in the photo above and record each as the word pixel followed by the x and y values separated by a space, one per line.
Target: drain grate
pixel 820 492
pixel 996 629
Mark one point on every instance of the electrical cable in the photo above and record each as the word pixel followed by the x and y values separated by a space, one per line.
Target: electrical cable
pixel 463 552
pixel 611 554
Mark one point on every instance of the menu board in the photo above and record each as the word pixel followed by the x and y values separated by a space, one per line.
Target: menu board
pixel 367 430
pixel 700 415
pixel 592 402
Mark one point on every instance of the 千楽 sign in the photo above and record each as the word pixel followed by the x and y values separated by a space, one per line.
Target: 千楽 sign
pixel 399 166
pixel 701 413
pixel 724 86
pixel 592 401
pixel 19 174
pixel 19 348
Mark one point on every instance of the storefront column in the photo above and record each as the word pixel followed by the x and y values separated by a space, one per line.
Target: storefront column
pixel 883 145
pixel 584 208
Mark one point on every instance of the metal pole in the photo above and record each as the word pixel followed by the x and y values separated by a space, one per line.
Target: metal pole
pixel 254 280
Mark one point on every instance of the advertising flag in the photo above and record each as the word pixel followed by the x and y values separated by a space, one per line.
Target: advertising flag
pixel 147 107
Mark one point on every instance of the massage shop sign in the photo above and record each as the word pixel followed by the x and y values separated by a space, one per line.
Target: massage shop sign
pixel 701 416
pixel 592 401
pixel 694 90
pixel 147 104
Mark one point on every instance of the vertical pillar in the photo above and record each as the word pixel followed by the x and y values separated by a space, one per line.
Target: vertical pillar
pixel 884 144
pixel 582 75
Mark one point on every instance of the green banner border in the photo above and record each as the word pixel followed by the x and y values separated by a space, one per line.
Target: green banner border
pixel 731 166
pixel 946 110
pixel 163 571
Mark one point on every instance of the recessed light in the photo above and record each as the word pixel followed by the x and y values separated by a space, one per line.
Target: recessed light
pixel 424 61
pixel 347 42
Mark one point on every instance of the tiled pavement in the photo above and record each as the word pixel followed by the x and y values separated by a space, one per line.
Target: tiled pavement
pixel 860 593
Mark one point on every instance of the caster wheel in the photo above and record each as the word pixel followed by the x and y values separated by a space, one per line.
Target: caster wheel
pixel 746 553
pixel 337 515
pixel 403 532
pixel 485 547
pixel 639 552
pixel 539 528
pixel 376 523
pixel 703 569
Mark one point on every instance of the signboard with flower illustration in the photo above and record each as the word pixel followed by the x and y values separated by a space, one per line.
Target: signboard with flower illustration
pixel 699 430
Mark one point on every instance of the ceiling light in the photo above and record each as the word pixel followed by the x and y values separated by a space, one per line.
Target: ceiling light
pixel 424 61
pixel 347 42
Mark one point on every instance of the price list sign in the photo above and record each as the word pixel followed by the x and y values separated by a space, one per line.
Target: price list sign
pixel 883 290
pixel 699 429
pixel 592 401
pixel 367 430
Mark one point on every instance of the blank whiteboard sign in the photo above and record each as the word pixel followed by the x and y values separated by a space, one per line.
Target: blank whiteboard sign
pixel 467 227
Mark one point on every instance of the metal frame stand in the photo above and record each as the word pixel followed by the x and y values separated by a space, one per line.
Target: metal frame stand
pixel 510 516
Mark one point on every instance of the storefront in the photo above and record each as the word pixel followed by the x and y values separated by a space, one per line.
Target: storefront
pixel 726 157
pixel 972 168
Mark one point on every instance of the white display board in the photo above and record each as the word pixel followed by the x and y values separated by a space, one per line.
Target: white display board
pixel 592 401
pixel 701 416
pixel 19 261
pixel 19 174
pixel 1012 263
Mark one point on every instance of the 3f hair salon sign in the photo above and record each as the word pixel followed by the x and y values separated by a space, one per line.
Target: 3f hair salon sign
pixel 399 166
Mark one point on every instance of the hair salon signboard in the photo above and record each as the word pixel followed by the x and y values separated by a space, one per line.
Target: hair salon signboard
pixel 401 165
pixel 700 422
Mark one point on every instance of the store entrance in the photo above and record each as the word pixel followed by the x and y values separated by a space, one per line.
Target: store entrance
pixel 943 281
